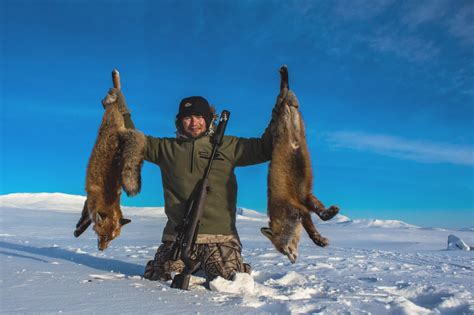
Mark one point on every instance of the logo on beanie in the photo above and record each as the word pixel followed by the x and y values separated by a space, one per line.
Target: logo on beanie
pixel 188 104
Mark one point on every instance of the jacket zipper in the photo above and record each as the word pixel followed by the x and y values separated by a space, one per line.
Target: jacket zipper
pixel 192 158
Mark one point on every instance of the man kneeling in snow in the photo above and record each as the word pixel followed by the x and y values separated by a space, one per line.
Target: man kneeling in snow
pixel 182 161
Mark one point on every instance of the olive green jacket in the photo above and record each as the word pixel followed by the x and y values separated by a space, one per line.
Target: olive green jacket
pixel 183 161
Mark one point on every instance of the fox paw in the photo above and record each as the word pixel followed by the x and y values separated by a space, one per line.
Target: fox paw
pixel 291 99
pixel 110 98
pixel 321 241
pixel 329 213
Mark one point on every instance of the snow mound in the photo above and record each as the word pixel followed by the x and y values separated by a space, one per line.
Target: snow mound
pixel 455 243
pixel 343 220
pixel 157 212
pixel 411 298
pixel 291 278
pixel 43 201
pixel 339 218
pixel 251 215
pixel 65 203
pixel 402 306
pixel 243 283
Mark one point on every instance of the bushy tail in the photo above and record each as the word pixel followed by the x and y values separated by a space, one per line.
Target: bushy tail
pixel 133 153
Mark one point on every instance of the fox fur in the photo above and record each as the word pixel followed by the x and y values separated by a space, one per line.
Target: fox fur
pixel 290 180
pixel 115 163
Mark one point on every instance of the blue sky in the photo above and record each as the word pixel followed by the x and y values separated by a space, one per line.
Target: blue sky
pixel 386 90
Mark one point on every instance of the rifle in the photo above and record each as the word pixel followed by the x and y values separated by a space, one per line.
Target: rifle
pixel 188 229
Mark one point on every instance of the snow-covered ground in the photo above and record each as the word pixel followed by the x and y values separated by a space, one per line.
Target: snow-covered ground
pixel 371 266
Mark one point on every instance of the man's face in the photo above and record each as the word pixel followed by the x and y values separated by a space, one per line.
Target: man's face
pixel 193 125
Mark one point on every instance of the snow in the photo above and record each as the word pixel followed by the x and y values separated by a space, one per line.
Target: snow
pixel 455 243
pixel 381 223
pixel 372 266
pixel 241 284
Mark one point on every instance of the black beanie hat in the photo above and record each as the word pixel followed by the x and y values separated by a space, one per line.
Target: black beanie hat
pixel 195 105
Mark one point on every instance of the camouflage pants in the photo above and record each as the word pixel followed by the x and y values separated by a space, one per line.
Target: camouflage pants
pixel 217 259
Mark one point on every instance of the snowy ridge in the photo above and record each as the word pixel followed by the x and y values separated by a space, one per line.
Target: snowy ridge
pixel 251 215
pixel 65 203
pixel 366 223
pixel 43 201
pixel 73 203
pixel 339 218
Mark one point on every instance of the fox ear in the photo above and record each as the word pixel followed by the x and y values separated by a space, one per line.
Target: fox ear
pixel 267 232
pixel 98 218
pixel 124 221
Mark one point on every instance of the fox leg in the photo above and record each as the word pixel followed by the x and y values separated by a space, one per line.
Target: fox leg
pixel 308 225
pixel 317 207
pixel 83 222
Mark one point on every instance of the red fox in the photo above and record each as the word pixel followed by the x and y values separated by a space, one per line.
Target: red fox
pixel 290 180
pixel 115 162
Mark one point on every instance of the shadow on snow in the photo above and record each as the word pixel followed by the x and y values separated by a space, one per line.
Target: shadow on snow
pixel 104 264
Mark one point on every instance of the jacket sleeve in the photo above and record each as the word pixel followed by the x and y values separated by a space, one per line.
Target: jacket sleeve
pixel 128 121
pixel 250 151
pixel 152 152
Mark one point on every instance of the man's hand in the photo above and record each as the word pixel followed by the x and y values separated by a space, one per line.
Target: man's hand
pixel 291 99
pixel 110 98
pixel 115 95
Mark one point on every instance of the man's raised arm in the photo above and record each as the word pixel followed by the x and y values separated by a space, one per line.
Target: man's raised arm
pixel 250 151
pixel 123 109
pixel 152 152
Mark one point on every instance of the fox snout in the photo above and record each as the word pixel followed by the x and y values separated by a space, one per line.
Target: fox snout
pixel 107 230
pixel 104 237
pixel 103 243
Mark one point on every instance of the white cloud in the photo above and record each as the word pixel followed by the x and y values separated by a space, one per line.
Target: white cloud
pixel 409 47
pixel 361 9
pixel 462 24
pixel 420 151
pixel 420 12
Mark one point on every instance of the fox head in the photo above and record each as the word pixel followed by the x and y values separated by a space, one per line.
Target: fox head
pixel 286 249
pixel 107 228
pixel 284 233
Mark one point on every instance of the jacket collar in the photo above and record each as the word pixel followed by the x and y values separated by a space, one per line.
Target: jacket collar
pixel 182 136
